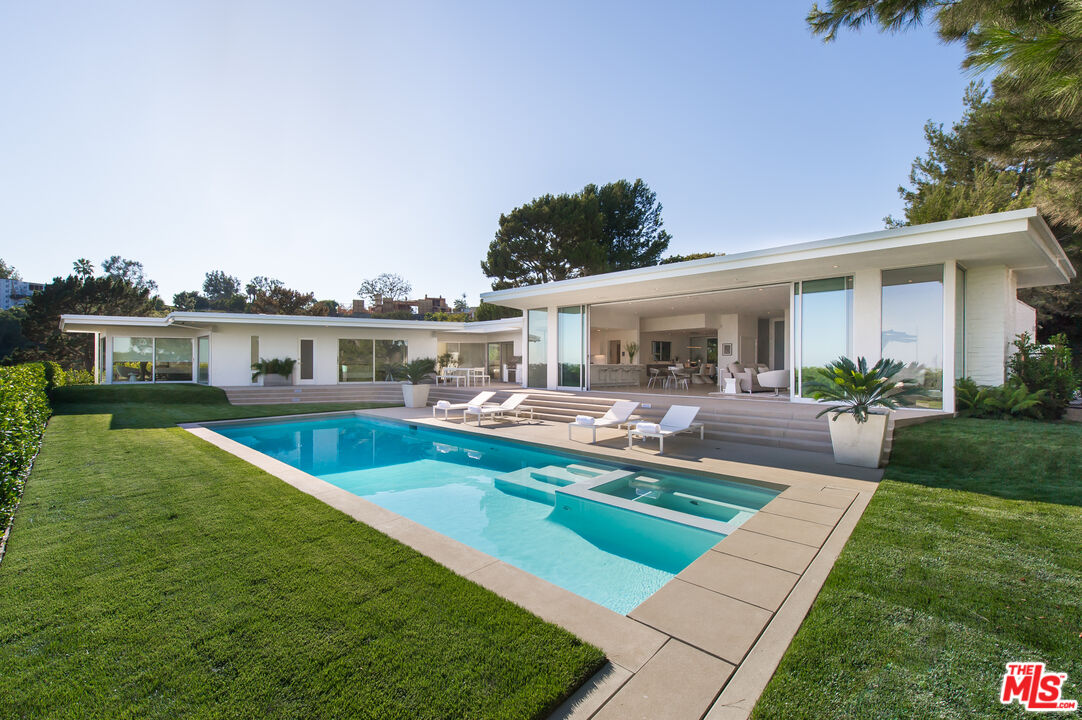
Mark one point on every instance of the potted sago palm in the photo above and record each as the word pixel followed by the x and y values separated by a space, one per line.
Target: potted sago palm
pixel 863 399
pixel 416 380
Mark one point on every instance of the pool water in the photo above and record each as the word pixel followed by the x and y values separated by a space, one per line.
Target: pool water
pixel 503 498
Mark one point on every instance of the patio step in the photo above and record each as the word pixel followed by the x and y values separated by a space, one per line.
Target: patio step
pixel 523 484
pixel 390 393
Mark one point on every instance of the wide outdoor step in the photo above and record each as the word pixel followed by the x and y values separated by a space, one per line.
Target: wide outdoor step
pixel 523 484
pixel 556 476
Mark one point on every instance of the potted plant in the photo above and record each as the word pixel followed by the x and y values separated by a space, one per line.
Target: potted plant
pixel 415 380
pixel 864 400
pixel 632 351
pixel 276 371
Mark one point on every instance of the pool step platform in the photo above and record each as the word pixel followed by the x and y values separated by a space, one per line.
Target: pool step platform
pixel 540 484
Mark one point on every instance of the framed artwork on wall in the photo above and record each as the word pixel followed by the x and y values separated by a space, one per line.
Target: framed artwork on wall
pixel 727 349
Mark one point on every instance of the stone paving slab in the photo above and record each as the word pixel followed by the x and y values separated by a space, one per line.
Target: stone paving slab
pixel 745 580
pixel 786 528
pixel 811 512
pixel 720 625
pixel 650 695
pixel 775 552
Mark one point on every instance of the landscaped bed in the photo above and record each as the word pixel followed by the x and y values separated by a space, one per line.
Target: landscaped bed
pixel 150 574
pixel 968 557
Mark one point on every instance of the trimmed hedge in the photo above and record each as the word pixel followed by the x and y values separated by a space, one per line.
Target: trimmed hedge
pixel 24 410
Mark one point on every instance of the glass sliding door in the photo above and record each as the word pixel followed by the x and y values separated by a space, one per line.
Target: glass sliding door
pixel 913 327
pixel 959 322
pixel 569 344
pixel 388 354
pixel 537 329
pixel 203 360
pixel 825 317
pixel 173 360
pixel 355 361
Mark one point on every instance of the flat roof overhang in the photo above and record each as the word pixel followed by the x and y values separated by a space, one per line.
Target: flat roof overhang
pixel 1020 240
pixel 209 321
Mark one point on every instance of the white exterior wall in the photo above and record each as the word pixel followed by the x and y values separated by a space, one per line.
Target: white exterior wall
pixel 230 348
pixel 868 314
pixel 990 305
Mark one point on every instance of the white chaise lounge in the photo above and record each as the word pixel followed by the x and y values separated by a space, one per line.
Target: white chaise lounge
pixel 679 419
pixel 478 400
pixel 617 416
pixel 512 405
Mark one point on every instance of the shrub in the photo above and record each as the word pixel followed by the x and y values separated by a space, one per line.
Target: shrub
pixel 274 366
pixel 1045 368
pixel 1010 400
pixel 78 377
pixel 24 410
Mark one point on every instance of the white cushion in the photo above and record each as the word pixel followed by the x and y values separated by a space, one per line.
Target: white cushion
pixel 474 409
pixel 584 420
pixel 648 427
pixel 443 404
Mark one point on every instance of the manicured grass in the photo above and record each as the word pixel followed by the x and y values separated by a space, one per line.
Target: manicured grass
pixel 151 575
pixel 969 556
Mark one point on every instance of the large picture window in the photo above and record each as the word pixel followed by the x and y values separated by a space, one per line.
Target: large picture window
pixel 913 327
pixel 363 360
pixel 147 359
pixel 825 316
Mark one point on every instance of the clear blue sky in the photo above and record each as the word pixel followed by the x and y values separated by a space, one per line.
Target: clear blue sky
pixel 322 143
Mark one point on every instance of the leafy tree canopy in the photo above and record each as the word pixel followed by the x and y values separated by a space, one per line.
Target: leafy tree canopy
pixel 128 271
pixel 280 300
pixel 107 295
pixel 461 304
pixel 1019 143
pixel 387 286
pixel 690 256
pixel 83 268
pixel 491 311
pixel 219 286
pixel 8 271
pixel 617 226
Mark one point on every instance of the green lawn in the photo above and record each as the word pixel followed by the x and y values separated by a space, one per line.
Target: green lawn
pixel 151 575
pixel 969 556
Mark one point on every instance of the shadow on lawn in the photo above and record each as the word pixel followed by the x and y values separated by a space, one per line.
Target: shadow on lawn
pixel 142 407
pixel 1010 459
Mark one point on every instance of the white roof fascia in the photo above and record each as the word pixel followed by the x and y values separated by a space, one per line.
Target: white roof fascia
pixel 185 318
pixel 998 223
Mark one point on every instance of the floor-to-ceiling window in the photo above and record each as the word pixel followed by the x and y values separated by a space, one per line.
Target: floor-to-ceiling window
pixel 569 344
pixel 389 353
pixel 537 329
pixel 913 326
pixel 825 321
pixel 959 322
pixel 172 359
pixel 203 360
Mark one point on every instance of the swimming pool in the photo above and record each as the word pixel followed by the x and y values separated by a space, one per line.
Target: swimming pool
pixel 613 534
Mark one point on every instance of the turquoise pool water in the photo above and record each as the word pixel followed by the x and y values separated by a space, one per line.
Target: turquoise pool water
pixel 498 497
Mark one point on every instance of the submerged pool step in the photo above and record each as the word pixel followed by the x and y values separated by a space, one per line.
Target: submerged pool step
pixel 560 476
pixel 522 483
pixel 587 471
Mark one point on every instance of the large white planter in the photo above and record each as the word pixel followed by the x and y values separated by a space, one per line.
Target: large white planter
pixel 415 396
pixel 858 443
pixel 273 380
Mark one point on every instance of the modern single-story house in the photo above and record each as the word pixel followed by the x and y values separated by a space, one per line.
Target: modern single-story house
pixel 941 297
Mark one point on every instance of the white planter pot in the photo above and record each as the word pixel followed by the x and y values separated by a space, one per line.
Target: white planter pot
pixel 415 396
pixel 858 443
pixel 272 380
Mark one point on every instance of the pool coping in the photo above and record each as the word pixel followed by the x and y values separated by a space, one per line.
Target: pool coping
pixel 703 645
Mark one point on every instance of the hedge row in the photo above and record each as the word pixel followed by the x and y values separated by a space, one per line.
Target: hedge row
pixel 24 410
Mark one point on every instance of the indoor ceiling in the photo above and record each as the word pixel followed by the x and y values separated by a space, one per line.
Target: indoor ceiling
pixel 765 301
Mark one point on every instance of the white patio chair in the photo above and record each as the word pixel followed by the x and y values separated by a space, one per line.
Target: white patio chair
pixel 617 416
pixel 679 419
pixel 655 376
pixel 512 405
pixel 479 399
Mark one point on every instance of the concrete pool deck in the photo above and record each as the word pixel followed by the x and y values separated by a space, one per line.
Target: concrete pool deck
pixel 707 642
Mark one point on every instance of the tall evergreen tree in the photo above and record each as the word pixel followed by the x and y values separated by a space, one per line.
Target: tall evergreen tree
pixel 617 226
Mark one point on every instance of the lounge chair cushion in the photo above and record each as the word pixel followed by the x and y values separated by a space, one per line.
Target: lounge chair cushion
pixel 443 405
pixel 584 420
pixel 474 409
pixel 648 427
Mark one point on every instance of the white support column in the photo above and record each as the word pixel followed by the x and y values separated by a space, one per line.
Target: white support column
pixel 868 315
pixel 950 290
pixel 524 366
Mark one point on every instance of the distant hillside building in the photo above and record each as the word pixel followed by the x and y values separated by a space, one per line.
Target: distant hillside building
pixel 419 307
pixel 16 292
